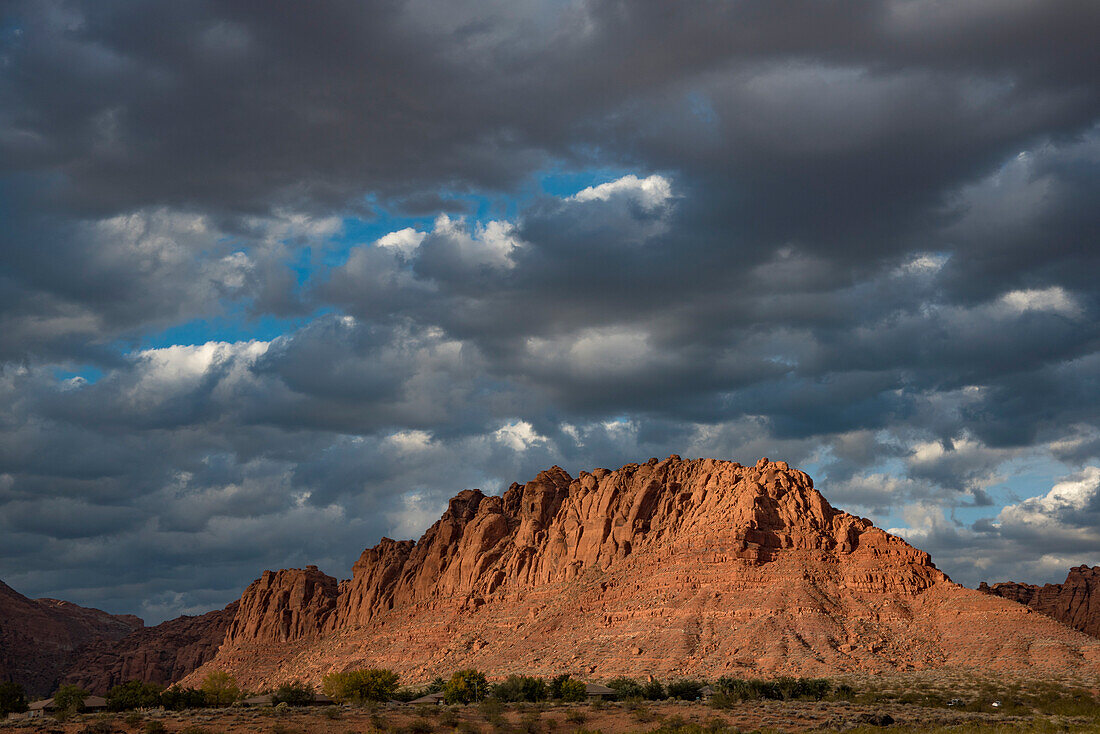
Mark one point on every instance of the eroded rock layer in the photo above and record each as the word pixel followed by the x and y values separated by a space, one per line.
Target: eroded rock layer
pixel 40 638
pixel 160 654
pixel 669 568
pixel 1075 602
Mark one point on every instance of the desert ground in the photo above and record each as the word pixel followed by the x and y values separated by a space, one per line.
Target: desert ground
pixel 927 702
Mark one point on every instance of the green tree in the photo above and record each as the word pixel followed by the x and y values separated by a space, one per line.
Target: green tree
pixel 13 699
pixel 573 690
pixel 556 684
pixel 133 694
pixel 294 693
pixel 466 686
pixel 178 699
pixel 654 691
pixel 360 686
pixel 220 688
pixel 685 689
pixel 69 699
pixel 521 688
pixel 626 688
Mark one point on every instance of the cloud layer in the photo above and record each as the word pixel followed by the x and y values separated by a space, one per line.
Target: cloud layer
pixel 277 279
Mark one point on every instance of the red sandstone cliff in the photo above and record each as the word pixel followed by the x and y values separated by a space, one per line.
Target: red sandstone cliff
pixel 39 638
pixel 1075 602
pixel 673 567
pixel 161 654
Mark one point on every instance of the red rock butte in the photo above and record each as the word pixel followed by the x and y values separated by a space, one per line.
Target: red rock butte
pixel 668 568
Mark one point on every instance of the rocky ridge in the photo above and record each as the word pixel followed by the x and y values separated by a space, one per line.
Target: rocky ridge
pixel 1075 602
pixel 40 638
pixel 670 567
pixel 160 654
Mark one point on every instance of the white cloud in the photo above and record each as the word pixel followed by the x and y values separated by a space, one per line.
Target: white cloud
pixel 404 241
pixel 651 192
pixel 518 435
pixel 1065 500
pixel 490 244
pixel 1054 299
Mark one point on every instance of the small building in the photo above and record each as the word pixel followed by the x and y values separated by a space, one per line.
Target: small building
pixel 47 706
pixel 706 692
pixel 595 690
pixel 39 708
pixel 431 698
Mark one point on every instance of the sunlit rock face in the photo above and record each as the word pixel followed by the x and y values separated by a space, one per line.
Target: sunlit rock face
pixel 669 567
pixel 1075 602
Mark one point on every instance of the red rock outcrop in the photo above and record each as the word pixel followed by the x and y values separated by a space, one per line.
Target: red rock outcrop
pixel 39 638
pixel 669 568
pixel 160 654
pixel 1075 602
pixel 281 606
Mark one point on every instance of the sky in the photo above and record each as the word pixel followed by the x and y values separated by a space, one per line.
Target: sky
pixel 279 278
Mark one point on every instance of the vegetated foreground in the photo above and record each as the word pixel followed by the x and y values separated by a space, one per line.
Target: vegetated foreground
pixel 673 567
pixel 921 702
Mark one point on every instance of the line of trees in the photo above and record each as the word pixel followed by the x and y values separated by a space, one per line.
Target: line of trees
pixel 463 687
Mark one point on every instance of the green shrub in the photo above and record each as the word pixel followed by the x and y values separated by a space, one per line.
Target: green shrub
pixel 177 698
pixel 521 688
pixel 466 686
pixel 359 686
pixel 626 688
pixel 13 699
pixel 420 726
pixel 531 722
pixel 154 727
pixel 220 688
pixel 573 690
pixel 69 699
pixel 133 719
pixel 133 694
pixel 293 693
pixel 576 716
pixel 654 691
pixel 448 718
pixel 685 689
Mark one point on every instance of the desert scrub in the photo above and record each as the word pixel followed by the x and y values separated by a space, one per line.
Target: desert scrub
pixel 154 727
pixel 419 726
pixel 531 722
pixel 332 713
pixel 576 716
pixel 448 719
pixel 99 726
pixel 492 710
pixel 468 727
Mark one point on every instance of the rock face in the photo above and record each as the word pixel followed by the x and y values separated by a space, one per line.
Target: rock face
pixel 40 638
pixel 280 606
pixel 668 568
pixel 1075 603
pixel 161 654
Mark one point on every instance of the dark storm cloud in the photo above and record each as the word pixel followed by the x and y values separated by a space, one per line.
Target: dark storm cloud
pixel 861 235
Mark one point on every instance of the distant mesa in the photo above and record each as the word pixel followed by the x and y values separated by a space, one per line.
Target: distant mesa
pixel 667 568
pixel 1075 603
